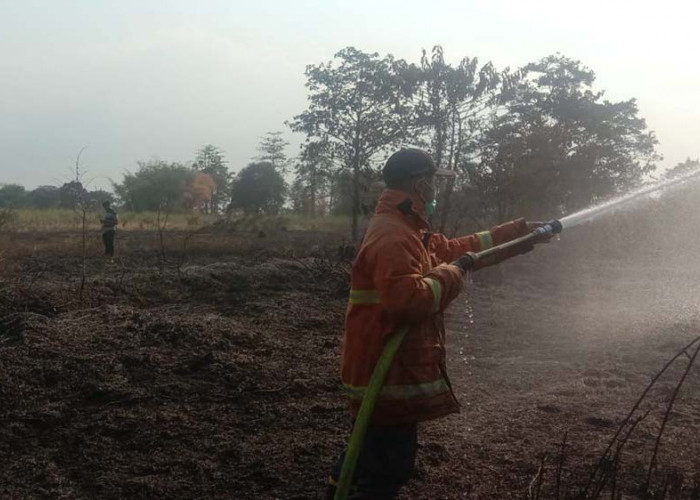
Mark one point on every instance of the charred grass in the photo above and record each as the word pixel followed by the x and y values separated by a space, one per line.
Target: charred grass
pixel 214 374
pixel 211 379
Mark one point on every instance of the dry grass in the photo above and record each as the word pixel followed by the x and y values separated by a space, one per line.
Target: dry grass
pixel 35 233
pixel 179 245
pixel 33 220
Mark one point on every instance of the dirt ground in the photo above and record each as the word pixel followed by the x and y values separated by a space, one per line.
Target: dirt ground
pixel 217 375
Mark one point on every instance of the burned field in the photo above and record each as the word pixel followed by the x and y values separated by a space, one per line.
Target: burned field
pixel 216 375
pixel 166 386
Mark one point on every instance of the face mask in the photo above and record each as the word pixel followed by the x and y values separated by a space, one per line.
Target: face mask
pixel 430 208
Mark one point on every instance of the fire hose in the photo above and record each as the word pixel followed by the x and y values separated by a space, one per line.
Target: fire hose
pixel 469 261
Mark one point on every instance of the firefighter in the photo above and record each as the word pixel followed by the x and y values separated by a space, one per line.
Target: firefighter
pixel 405 275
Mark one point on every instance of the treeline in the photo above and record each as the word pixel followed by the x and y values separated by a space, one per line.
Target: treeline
pixel 203 185
pixel 48 197
pixel 537 141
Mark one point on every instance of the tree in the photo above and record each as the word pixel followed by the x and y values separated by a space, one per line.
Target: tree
pixel 210 160
pixel 258 188
pixel 447 98
pixel 13 196
pixel 341 195
pixel 73 195
pixel 560 147
pixel 45 197
pixel 155 186
pixel 271 149
pixel 358 107
pixel 684 168
pixel 313 171
pixel 299 197
pixel 451 107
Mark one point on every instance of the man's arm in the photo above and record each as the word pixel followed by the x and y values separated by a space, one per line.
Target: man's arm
pixel 448 250
pixel 406 293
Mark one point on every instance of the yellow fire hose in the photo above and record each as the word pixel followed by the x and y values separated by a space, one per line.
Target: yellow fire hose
pixel 364 415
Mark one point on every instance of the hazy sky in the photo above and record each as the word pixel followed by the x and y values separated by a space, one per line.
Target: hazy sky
pixel 135 80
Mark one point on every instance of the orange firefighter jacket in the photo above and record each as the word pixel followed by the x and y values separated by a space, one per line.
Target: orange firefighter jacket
pixel 400 277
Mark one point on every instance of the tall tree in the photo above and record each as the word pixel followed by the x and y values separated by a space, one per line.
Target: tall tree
pixel 299 197
pixel 258 188
pixel 560 146
pixel 313 171
pixel 341 199
pixel 271 149
pixel 358 107
pixel 210 160
pixel 474 95
pixel 452 104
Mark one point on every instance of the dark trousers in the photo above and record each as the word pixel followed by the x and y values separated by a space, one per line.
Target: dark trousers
pixel 108 240
pixel 385 463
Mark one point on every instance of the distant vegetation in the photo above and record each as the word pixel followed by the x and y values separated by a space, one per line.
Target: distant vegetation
pixel 537 141
pixel 32 219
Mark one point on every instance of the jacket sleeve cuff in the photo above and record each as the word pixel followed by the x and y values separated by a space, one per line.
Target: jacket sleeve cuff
pixel 509 231
pixel 450 279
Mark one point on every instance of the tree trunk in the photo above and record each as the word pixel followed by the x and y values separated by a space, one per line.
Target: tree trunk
pixel 355 236
pixel 214 203
pixel 355 197
pixel 451 163
pixel 455 151
pixel 313 197
pixel 446 205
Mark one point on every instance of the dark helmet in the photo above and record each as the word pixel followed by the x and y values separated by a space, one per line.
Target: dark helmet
pixel 410 162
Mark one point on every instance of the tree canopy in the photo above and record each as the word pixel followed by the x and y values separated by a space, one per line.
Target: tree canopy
pixel 559 146
pixel 357 109
pixel 45 197
pixel 536 141
pixel 258 188
pixel 13 196
pixel 272 149
pixel 156 185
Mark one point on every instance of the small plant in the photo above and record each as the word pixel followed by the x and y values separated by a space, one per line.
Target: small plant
pixel 80 209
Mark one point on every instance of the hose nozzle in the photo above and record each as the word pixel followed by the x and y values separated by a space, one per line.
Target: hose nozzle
pixel 553 226
pixel 473 261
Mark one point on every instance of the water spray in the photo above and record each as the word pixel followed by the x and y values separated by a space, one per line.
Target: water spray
pixel 477 260
pixel 592 212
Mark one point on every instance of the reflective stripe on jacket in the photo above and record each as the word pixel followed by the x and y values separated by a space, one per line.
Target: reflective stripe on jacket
pixel 401 276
